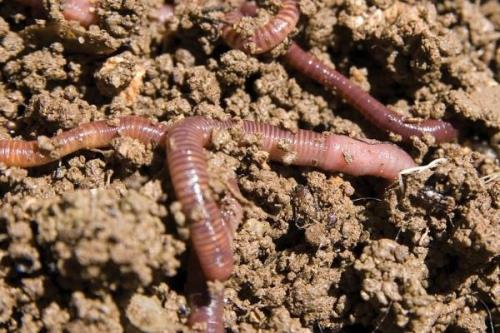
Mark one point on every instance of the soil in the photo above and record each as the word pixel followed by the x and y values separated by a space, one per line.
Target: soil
pixel 97 243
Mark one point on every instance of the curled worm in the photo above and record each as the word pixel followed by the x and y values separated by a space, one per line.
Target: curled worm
pixel 274 32
pixel 188 169
pixel 265 37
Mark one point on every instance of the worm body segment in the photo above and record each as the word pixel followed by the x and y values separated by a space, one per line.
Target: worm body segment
pixel 266 37
pixel 188 168
pixel 87 136
pixel 211 229
pixel 207 304
pixel 82 11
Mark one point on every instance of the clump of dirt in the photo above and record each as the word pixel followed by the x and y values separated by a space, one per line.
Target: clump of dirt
pixel 96 241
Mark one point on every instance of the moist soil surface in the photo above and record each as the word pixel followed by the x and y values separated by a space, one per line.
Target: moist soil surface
pixel 96 242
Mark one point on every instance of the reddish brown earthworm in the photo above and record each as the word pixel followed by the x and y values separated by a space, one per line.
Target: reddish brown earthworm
pixel 310 66
pixel 207 304
pixel 82 11
pixel 265 37
pixel 188 169
pixel 87 136
pixel 377 113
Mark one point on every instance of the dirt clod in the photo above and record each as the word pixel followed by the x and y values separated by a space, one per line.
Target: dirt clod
pixel 96 242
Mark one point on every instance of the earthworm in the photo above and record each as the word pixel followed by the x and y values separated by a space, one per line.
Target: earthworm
pixel 265 37
pixel 377 113
pixel 188 169
pixel 82 11
pixel 87 136
pixel 207 304
pixel 274 32
pixel 211 235
pixel 187 164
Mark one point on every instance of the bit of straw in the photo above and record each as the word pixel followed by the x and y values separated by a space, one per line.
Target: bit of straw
pixel 490 178
pixel 419 169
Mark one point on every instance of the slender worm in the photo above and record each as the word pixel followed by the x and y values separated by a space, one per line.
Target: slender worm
pixel 211 233
pixel 377 113
pixel 96 134
pixel 207 305
pixel 188 168
pixel 305 63
pixel 212 228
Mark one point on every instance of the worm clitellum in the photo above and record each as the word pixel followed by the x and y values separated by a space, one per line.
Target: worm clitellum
pixel 206 304
pixel 312 67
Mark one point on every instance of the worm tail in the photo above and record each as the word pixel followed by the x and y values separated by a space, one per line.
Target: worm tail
pixel 207 304
pixel 372 109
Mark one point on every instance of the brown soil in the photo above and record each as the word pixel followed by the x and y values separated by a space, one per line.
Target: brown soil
pixel 97 242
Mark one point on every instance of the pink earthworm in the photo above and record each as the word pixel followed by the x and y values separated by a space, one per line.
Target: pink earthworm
pixel 206 304
pixel 82 11
pixel 266 37
pixel 310 66
pixel 188 169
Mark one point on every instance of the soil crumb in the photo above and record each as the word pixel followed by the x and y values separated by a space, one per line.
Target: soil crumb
pixel 97 242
